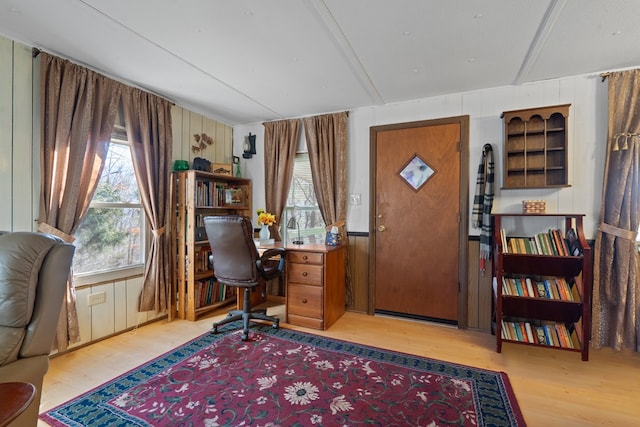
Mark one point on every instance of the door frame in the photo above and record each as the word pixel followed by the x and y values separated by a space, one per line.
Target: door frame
pixel 463 215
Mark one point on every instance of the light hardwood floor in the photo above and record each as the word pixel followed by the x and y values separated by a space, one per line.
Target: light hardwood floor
pixel 553 388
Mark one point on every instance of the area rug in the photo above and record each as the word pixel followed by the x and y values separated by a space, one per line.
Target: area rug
pixel 289 378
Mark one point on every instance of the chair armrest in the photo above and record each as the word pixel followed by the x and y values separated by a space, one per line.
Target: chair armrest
pixel 266 270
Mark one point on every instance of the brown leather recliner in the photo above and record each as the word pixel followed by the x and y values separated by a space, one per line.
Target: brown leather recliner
pixel 236 262
pixel 34 269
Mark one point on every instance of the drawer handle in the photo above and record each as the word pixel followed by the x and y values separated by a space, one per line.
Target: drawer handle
pixel 305 274
pixel 304 300
pixel 304 257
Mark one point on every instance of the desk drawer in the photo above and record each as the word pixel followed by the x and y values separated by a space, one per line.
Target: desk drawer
pixel 304 300
pixel 305 257
pixel 305 273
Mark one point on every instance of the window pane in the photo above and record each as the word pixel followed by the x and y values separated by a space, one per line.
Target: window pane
pixel 118 181
pixel 108 239
pixel 111 236
pixel 303 205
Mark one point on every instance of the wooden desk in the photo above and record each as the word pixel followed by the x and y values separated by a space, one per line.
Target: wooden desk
pixel 14 399
pixel 314 284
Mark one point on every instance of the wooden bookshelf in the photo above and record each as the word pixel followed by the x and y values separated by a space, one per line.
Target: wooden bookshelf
pixel 535 147
pixel 520 314
pixel 195 195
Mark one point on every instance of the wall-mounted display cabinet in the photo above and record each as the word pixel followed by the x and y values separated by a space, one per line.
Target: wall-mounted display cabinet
pixel 536 147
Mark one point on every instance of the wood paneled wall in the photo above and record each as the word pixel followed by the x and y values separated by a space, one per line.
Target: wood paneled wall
pixel 358 259
pixel 186 123
pixel 20 183
pixel 478 286
pixel 19 137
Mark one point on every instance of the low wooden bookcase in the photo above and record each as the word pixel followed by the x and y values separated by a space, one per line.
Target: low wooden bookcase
pixel 520 315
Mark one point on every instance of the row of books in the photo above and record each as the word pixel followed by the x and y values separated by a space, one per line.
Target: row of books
pixel 211 291
pixel 201 259
pixel 556 288
pixel 550 243
pixel 551 334
pixel 217 194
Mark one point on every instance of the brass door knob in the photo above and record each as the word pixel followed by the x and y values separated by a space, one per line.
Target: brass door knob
pixel 381 228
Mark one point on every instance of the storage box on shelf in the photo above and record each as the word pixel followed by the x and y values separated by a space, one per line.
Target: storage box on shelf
pixel 195 195
pixel 542 285
pixel 536 147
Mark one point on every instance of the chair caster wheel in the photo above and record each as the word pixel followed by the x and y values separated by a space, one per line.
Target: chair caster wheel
pixel 245 336
pixel 214 330
pixel 275 325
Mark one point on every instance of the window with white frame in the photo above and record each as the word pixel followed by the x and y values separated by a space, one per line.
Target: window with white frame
pixel 303 205
pixel 111 236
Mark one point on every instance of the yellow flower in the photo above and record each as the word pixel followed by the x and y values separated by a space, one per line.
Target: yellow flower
pixel 266 218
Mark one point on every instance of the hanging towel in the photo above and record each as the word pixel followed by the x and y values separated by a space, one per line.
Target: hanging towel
pixel 483 202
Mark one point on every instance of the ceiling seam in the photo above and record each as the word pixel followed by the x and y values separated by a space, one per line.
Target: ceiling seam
pixel 546 25
pixel 190 64
pixel 332 27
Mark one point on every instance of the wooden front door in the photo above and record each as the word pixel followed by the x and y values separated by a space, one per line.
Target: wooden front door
pixel 419 217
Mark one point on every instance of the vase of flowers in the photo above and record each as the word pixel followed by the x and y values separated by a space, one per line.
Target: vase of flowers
pixel 265 219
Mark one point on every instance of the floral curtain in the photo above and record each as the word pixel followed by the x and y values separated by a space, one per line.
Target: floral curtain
pixel 616 293
pixel 148 124
pixel 280 143
pixel 78 109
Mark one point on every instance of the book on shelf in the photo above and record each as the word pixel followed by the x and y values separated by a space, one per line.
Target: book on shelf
pixel 538 245
pixel 542 291
pixel 233 196
pixel 503 239
pixel 560 243
pixel 529 332
pixel 530 289
pixel 573 243
pixel 553 288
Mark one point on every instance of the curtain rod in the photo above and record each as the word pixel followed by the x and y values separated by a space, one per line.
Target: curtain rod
pixel 35 52
pixel 604 76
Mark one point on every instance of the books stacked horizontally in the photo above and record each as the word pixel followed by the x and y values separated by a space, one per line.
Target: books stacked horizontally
pixel 550 287
pixel 549 243
pixel 544 333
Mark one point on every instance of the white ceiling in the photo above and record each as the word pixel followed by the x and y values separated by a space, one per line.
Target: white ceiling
pixel 248 61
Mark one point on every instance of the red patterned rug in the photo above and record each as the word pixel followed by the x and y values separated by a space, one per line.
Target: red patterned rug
pixel 288 378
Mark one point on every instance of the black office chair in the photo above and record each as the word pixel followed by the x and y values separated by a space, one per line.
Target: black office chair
pixel 236 262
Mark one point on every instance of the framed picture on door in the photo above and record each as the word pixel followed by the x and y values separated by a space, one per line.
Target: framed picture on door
pixel 416 172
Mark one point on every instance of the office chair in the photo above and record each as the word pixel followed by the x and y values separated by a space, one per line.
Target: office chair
pixel 236 262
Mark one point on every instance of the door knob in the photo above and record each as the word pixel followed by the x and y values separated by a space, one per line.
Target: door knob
pixel 381 228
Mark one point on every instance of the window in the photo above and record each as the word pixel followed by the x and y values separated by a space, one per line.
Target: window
pixel 111 236
pixel 303 205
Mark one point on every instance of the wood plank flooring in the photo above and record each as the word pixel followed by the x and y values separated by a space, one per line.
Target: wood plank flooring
pixel 553 388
